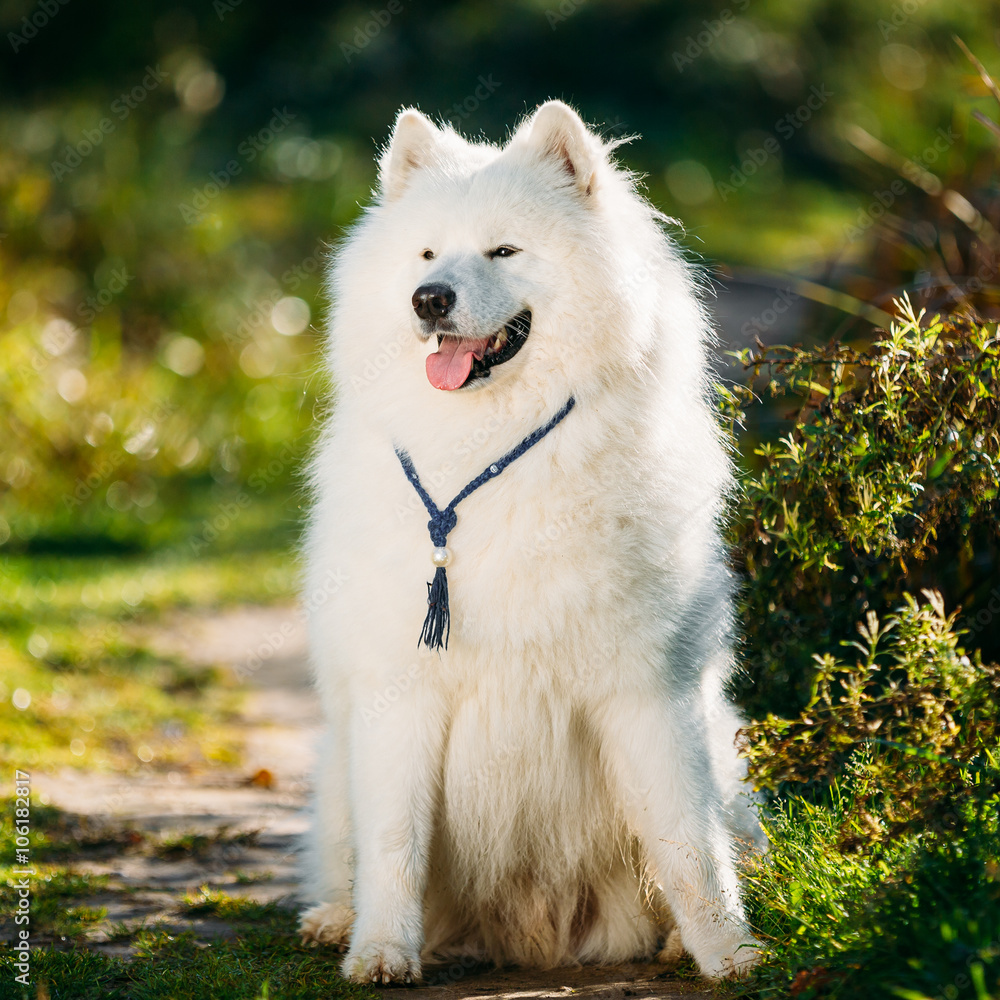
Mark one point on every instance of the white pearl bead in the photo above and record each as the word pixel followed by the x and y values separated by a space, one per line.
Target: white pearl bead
pixel 441 556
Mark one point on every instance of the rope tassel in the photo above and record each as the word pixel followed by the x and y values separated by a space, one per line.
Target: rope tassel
pixel 437 624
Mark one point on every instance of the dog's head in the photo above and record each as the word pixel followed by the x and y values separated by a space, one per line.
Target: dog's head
pixel 484 272
pixel 483 236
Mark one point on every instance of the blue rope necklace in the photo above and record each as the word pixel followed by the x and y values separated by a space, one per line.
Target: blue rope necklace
pixel 437 624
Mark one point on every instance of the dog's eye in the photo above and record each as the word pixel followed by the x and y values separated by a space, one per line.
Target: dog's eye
pixel 428 255
pixel 503 251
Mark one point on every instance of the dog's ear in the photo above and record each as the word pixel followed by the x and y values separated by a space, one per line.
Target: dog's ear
pixel 556 130
pixel 413 145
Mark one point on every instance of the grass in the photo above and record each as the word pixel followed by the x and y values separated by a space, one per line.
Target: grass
pixel 263 958
pixel 916 918
pixel 53 891
pixel 260 957
pixel 260 962
pixel 199 845
pixel 72 640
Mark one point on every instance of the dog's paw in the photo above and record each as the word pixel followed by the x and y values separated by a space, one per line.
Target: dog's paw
pixel 672 950
pixel 327 923
pixel 731 962
pixel 382 962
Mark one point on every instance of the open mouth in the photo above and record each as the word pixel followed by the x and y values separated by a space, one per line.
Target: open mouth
pixel 459 361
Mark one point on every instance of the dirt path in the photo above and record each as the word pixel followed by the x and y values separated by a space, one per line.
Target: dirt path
pixel 232 832
pixel 237 830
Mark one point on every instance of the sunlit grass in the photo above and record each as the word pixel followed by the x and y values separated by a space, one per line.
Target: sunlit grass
pixel 263 959
pixel 81 684
pixel 913 918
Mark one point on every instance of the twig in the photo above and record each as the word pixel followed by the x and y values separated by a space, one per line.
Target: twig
pixel 980 68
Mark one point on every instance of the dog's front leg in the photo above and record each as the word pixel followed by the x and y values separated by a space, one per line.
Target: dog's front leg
pixel 394 785
pixel 659 768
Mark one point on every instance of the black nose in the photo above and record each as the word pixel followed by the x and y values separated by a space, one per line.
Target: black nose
pixel 433 301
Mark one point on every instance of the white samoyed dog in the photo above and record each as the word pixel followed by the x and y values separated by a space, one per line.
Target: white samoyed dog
pixel 550 776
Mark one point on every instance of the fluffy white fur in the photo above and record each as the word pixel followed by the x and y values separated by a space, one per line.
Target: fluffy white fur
pixel 561 785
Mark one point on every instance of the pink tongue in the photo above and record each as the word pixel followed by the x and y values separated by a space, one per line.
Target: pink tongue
pixel 449 366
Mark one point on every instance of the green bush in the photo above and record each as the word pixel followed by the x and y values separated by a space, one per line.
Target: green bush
pixel 884 874
pixel 886 483
pixel 912 728
pixel 882 769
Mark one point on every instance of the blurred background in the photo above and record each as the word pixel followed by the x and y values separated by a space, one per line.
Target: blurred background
pixel 171 175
